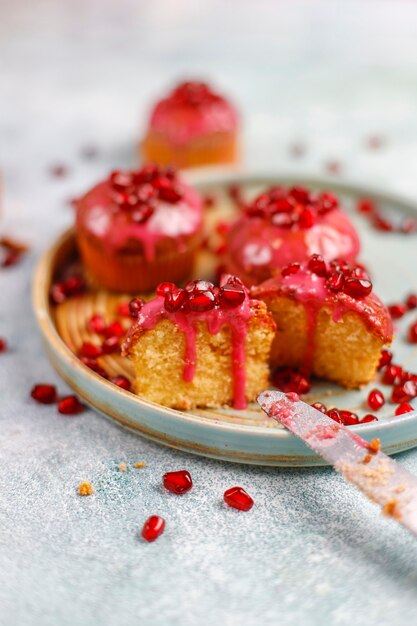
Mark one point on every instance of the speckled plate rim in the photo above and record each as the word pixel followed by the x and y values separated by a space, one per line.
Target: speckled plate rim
pixel 185 431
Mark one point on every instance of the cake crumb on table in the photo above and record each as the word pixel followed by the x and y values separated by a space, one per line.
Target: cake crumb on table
pixel 122 467
pixel 140 464
pixel 85 489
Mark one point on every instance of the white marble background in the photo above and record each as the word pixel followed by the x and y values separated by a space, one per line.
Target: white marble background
pixel 74 73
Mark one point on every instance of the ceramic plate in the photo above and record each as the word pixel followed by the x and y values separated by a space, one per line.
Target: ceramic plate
pixel 240 436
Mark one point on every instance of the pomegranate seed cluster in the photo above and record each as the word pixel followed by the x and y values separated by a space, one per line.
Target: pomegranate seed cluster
pixel 353 281
pixel 370 210
pixel 343 416
pixel 193 94
pixel 200 296
pixel 292 208
pixel 138 192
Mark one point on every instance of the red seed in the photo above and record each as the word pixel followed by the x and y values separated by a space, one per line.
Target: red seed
pixel 299 193
pixel 334 414
pixel 368 418
pixel 97 324
pixel 386 358
pixel 289 380
pixel 222 228
pixel 93 365
pixel 123 309
pixel 174 300
pixel 90 350
pixel 397 311
pixel 110 345
pixel 120 180
pixel 142 213
pixel 44 393
pixel 381 223
pixel 57 293
pixel 115 329
pixel 231 295
pixel 408 226
pixel 348 418
pixel 209 201
pixel 402 408
pixel 3 344
pixel 153 528
pixel 70 405
pixel 122 382
pixel 200 302
pixel 292 268
pixel 357 287
pixel 412 333
pixel 317 265
pixel 198 286
pixel 391 374
pixel 135 306
pixel 238 498
pixel 376 399
pixel 403 393
pixel 164 288
pixel 306 218
pixel 335 281
pixel 319 406
pixel 366 205
pixel 411 301
pixel 177 482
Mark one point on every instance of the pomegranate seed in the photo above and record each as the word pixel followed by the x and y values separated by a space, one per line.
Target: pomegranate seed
pixel 306 218
pixel 174 300
pixel 235 193
pixel 167 192
pixel 153 528
pixel 404 392
pixel 334 414
pixel 402 408
pixel 300 194
pixel 164 288
pixel 397 311
pixel 386 358
pixel 412 333
pixel 122 382
pixel 135 306
pixel 411 301
pixel 368 418
pixel 209 201
pixel 115 329
pixel 335 281
pixel 3 344
pixel 110 345
pixel 238 498
pixel 366 205
pixel 376 399
pixel 348 418
pixel 391 374
pixel 198 286
pixel 12 257
pixel 90 350
pixel 97 324
pixel 317 265
pixel 142 213
pixel 290 381
pixel 177 482
pixel 333 166
pixel 201 301
pixel 44 393
pixel 123 309
pixel 357 287
pixel 57 293
pixel 58 170
pixel 70 405
pixel 93 365
pixel 409 226
pixel 120 180
pixel 222 228
pixel 231 295
pixel 319 406
pixel 381 223
pixel 292 268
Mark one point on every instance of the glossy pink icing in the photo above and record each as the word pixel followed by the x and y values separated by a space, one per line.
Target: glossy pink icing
pixel 97 213
pixel 181 120
pixel 311 291
pixel 237 319
pixel 256 245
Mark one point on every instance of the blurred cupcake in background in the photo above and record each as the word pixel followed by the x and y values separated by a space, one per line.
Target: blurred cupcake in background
pixel 193 125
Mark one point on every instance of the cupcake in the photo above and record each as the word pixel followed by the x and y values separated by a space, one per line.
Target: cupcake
pixel 192 126
pixel 201 346
pixel 329 321
pixel 138 228
pixel 282 226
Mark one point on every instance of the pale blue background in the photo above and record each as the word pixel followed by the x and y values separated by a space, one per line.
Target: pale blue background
pixel 312 551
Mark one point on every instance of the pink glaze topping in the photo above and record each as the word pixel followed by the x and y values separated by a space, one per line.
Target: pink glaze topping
pixel 285 225
pixel 190 111
pixel 337 286
pixel 200 301
pixel 142 206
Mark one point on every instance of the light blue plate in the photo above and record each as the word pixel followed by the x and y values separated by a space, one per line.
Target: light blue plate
pixel 248 436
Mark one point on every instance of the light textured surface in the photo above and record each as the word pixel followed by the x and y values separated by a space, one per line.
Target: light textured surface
pixel 312 551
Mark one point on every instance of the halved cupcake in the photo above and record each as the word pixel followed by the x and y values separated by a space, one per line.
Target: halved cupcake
pixel 138 228
pixel 329 321
pixel 202 346
pixel 192 126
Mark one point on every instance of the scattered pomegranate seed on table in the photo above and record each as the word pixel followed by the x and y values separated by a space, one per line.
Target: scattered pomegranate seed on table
pixel 375 142
pixel 11 251
pixel 412 333
pixel 70 405
pixel 58 170
pixel 397 311
pixel 3 344
pixel 402 408
pixel 333 167
pixel 411 301
pixel 153 528
pixel 177 482
pixel 44 393
pixel 376 399
pixel 238 498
